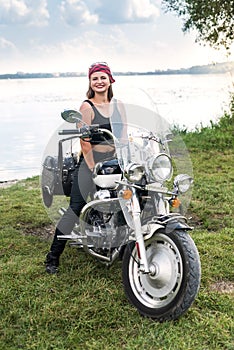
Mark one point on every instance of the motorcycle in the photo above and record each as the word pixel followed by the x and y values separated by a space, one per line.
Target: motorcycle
pixel 131 215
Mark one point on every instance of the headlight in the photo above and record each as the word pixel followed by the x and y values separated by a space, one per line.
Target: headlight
pixel 160 167
pixel 134 172
pixel 183 182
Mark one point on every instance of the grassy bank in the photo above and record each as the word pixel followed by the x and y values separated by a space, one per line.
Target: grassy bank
pixel 84 306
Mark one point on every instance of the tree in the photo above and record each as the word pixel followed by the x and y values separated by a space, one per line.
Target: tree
pixel 212 19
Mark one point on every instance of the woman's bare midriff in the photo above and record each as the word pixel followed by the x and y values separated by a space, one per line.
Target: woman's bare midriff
pixel 103 148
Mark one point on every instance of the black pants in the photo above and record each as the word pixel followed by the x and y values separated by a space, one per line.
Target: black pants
pixel 81 187
pixel 82 184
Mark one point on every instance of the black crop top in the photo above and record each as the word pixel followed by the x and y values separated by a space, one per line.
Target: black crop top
pixel 103 122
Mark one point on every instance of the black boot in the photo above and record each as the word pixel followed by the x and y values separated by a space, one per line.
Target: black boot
pixel 52 263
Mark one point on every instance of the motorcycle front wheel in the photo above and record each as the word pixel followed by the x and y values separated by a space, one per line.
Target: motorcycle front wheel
pixel 173 283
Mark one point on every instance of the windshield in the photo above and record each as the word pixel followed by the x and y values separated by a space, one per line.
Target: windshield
pixel 142 134
pixel 139 135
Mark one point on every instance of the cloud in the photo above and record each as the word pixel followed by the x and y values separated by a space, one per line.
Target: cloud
pixel 92 43
pixel 13 11
pixel 76 12
pixel 78 52
pixel 6 45
pixel 39 14
pixel 130 11
pixel 142 10
pixel 24 12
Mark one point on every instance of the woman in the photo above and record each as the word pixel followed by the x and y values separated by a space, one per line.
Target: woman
pixel 97 109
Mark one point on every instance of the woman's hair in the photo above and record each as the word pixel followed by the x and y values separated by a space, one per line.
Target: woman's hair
pixel 90 93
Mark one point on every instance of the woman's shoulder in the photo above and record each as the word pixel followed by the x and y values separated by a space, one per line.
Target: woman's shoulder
pixel 86 104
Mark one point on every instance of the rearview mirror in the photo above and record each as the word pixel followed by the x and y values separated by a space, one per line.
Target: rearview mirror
pixel 72 116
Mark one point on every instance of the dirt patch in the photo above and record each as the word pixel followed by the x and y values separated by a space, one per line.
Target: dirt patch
pixel 194 220
pixel 226 287
pixel 45 232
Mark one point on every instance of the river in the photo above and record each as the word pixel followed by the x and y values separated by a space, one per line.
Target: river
pixel 30 109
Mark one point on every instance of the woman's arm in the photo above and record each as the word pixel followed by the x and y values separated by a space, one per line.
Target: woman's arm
pixel 86 147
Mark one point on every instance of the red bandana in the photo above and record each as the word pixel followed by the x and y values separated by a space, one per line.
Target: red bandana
pixel 101 67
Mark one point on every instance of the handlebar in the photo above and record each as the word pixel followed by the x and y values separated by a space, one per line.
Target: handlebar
pixel 81 131
pixel 70 132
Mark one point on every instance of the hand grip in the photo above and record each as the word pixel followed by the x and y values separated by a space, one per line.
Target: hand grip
pixel 70 132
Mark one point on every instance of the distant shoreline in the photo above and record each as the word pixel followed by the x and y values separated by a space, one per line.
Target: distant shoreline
pixel 8 183
pixel 216 68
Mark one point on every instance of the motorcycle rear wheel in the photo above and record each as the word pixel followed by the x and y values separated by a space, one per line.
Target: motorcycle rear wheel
pixel 169 290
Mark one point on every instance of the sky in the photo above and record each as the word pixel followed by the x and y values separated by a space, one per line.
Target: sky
pixel 69 35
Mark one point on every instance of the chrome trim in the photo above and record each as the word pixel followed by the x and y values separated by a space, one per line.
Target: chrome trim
pixel 106 259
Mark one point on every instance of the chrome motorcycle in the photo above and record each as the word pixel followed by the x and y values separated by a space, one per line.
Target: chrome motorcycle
pixel 131 214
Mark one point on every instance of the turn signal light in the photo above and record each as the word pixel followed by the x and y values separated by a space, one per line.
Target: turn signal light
pixel 126 194
pixel 175 203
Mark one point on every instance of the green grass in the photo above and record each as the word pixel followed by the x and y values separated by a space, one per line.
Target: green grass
pixel 84 306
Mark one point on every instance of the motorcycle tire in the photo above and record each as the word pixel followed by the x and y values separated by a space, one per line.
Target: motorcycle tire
pixel 169 290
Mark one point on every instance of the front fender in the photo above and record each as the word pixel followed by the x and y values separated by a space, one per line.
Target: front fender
pixel 151 229
pixel 177 225
pixel 168 227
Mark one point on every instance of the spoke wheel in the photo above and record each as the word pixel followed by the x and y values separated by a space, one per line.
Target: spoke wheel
pixel 172 284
